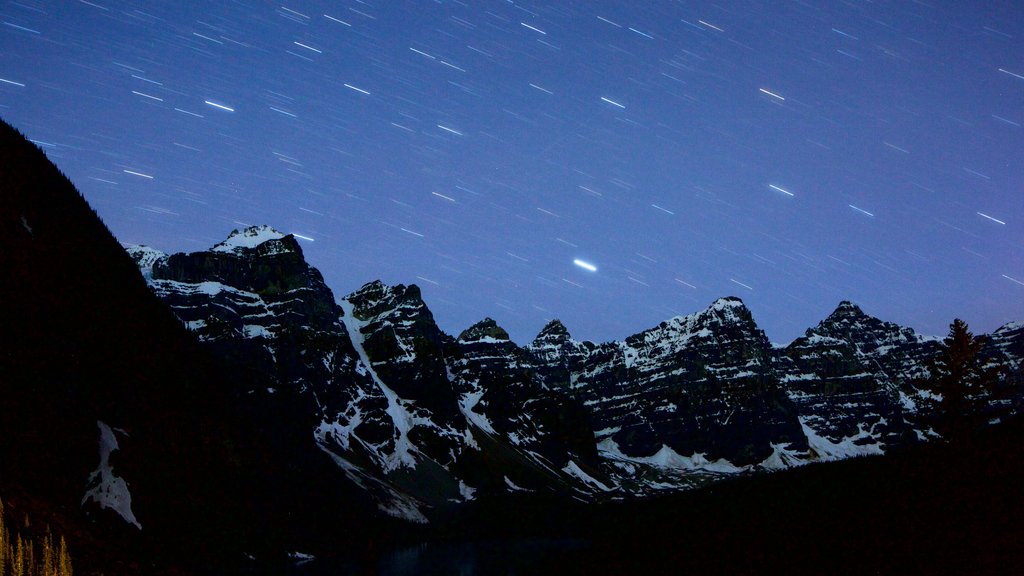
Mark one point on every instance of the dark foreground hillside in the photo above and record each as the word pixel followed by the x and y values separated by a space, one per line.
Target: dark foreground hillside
pixel 85 341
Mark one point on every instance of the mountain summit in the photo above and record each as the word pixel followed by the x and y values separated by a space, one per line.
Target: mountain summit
pixel 247 238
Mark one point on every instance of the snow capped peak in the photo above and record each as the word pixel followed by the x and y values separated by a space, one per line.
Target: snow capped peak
pixel 726 322
pixel 1009 327
pixel 143 254
pixel 144 257
pixel 248 238
pixel 728 310
pixel 486 330
pixel 727 303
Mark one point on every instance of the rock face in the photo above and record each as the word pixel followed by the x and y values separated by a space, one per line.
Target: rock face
pixel 501 394
pixel 416 418
pixel 852 378
pixel 699 384
pixel 422 420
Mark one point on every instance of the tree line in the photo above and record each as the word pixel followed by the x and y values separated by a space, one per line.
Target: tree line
pixel 25 556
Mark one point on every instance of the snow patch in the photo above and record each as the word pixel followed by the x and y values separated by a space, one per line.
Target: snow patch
pixel 908 403
pixel 820 340
pixel 512 486
pixel 629 355
pixel 467 492
pixel 727 304
pixel 256 331
pixel 108 490
pixel 247 239
pixel 469 440
pixel 207 288
pixel 845 448
pixel 194 325
pixel 574 470
pixel 782 458
pixel 668 458
pixel 467 402
pixel 1008 327
pixel 484 340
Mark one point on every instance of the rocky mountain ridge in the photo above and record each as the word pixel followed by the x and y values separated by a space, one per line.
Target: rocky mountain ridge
pixel 423 420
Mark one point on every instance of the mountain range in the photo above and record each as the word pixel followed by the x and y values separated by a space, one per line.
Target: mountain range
pixel 421 419
pixel 225 404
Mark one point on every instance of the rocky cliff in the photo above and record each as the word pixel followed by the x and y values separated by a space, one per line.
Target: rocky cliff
pixel 424 420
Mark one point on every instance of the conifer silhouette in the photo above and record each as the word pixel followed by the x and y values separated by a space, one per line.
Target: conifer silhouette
pixel 961 380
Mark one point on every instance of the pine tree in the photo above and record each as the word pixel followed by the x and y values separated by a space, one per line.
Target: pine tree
pixel 3 541
pixel 18 558
pixel 46 566
pixel 64 560
pixel 30 558
pixel 959 377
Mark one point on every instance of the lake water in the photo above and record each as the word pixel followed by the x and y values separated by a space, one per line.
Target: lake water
pixel 504 557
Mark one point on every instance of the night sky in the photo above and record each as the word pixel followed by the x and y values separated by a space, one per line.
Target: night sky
pixel 791 153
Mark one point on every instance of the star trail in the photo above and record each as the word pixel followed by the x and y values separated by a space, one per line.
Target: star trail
pixel 611 164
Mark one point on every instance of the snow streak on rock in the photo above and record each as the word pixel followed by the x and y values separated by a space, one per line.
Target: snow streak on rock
pixel 404 450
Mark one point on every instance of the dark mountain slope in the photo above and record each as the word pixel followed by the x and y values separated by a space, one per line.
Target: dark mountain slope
pixel 84 342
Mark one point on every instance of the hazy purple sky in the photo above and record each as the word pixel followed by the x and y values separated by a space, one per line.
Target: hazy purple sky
pixel 791 153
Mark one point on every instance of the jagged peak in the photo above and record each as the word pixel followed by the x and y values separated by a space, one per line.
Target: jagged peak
pixel 373 287
pixel 376 297
pixel 377 290
pixel 248 238
pixel 728 310
pixel 848 322
pixel 847 309
pixel 486 330
pixel 553 330
pixel 723 314
pixel 846 313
